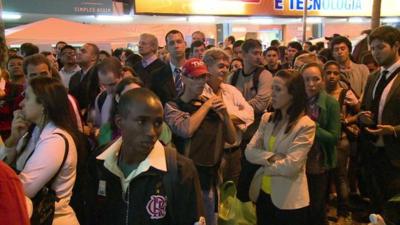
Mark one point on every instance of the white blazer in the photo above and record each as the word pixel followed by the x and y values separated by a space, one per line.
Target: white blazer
pixel 289 189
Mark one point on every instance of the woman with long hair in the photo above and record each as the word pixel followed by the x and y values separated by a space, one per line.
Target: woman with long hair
pixel 42 134
pixel 280 146
pixel 324 110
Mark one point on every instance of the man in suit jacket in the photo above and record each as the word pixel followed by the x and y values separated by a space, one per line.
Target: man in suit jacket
pixel 148 46
pixel 84 85
pixel 381 103
pixel 167 81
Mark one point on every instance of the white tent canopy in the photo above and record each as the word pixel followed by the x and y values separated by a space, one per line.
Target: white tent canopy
pixel 52 30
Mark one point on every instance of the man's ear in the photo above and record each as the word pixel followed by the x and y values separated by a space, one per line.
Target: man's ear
pixel 118 121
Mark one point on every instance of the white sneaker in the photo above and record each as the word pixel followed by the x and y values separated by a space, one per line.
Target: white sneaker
pixel 376 219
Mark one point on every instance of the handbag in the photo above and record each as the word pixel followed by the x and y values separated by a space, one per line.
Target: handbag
pixel 44 200
pixel 231 210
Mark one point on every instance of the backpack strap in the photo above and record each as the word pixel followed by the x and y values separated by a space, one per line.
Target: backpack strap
pixel 170 180
pixel 256 77
pixel 342 96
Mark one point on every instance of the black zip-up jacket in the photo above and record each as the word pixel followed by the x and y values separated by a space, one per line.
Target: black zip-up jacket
pixel 146 202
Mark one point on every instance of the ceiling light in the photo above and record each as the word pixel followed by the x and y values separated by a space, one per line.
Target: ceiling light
pixel 11 16
pixel 356 20
pixel 201 19
pixel 314 20
pixel 105 18
pixel 391 20
pixel 261 20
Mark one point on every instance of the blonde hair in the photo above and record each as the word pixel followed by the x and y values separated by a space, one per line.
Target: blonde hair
pixel 309 58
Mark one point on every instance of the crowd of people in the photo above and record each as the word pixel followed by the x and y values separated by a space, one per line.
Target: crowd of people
pixel 148 138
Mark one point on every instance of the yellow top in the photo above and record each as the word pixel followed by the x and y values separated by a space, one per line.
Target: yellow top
pixel 266 181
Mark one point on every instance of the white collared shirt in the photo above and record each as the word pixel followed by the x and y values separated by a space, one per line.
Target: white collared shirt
pixel 384 96
pixel 156 159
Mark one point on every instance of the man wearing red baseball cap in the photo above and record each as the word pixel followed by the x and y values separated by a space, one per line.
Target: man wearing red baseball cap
pixel 201 126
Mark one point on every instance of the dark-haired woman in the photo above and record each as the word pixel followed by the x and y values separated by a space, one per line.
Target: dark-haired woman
pixel 324 110
pixel 280 145
pixel 37 145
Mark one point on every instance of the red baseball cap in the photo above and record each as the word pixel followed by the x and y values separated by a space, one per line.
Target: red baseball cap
pixel 194 68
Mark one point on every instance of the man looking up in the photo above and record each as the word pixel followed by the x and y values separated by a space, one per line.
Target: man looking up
pixel 68 59
pixel 84 85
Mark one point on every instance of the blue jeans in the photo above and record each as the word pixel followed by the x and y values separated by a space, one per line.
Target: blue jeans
pixel 209 206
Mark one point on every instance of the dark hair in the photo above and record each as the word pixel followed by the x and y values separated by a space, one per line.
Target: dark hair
pixel 61 42
pixel 15 57
pixel 67 47
pixel 231 38
pixel 172 32
pixel 28 49
pixel 308 42
pixel 110 64
pixel 104 52
pixel 386 34
pixel 341 39
pixel 319 45
pixel 271 48
pixel 238 43
pixel 132 60
pixel 296 45
pixel 128 68
pixel 330 63
pixel 196 44
pixel 35 59
pixel 325 55
pixel 367 58
pixel 210 46
pixel 46 53
pixel 275 42
pixel 117 52
pixel 282 50
pixel 235 59
pixel 250 44
pixel 53 96
pixel 296 88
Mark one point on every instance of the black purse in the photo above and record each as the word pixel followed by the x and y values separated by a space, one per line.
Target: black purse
pixel 44 201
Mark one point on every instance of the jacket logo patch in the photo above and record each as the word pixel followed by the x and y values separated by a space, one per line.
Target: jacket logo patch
pixel 157 207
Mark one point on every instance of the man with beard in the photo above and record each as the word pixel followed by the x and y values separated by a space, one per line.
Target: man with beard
pixel 68 59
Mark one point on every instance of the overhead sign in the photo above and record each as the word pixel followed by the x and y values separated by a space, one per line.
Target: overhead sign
pixel 80 7
pixel 328 8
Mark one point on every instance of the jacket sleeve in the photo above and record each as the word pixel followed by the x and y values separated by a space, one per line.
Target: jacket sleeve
pixel 188 203
pixel 331 133
pixel 262 99
pixel 296 158
pixel 255 151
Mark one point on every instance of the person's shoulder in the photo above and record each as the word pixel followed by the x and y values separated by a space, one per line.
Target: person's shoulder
pixel 306 121
pixel 185 166
pixel 6 173
pixel 265 72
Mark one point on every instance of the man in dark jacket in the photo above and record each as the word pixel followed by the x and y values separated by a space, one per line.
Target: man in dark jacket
pixel 138 181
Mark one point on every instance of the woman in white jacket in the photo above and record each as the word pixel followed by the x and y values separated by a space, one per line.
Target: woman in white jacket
pixel 37 147
pixel 280 145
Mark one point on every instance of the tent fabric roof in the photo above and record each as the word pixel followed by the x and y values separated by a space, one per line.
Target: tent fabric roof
pixel 52 30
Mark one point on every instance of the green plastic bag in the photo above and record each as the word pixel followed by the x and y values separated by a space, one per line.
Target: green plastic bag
pixel 232 211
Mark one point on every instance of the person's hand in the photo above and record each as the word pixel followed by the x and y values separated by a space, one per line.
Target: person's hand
pixel 19 126
pixel 381 130
pixel 236 120
pixel 365 113
pixel 219 107
pixel 276 157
